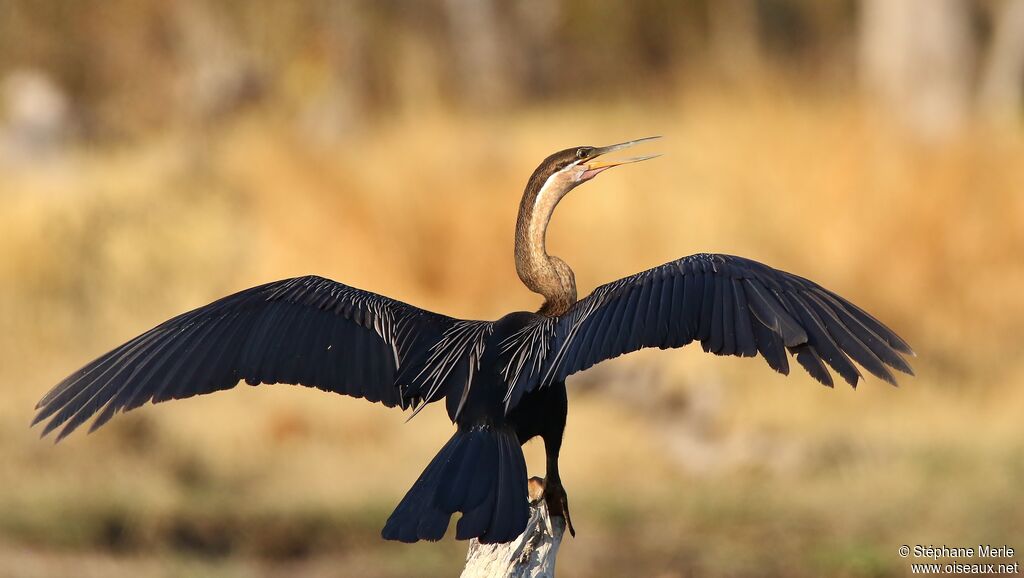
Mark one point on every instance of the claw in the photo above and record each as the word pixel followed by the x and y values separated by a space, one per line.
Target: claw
pixel 558 503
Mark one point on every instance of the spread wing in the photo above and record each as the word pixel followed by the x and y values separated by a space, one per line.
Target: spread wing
pixel 309 331
pixel 732 306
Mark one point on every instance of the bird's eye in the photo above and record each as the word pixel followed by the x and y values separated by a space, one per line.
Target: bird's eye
pixel 582 153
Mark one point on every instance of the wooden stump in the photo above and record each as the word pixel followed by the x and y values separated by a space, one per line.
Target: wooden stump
pixel 531 555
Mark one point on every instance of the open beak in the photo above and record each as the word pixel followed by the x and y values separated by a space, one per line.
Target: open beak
pixel 594 167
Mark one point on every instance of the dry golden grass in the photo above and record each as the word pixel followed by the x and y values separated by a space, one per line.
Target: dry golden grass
pixel 757 475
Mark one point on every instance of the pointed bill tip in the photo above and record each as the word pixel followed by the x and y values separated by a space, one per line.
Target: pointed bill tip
pixel 598 151
pixel 642 158
pixel 630 143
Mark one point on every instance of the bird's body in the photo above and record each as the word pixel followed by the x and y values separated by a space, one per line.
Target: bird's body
pixel 503 382
pixel 479 412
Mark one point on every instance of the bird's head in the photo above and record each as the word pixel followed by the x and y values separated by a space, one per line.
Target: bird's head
pixel 575 166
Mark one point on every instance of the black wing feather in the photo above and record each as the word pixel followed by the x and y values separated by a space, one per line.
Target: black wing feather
pixel 769 345
pixel 745 343
pixel 818 338
pixel 848 341
pixel 307 330
pixel 733 306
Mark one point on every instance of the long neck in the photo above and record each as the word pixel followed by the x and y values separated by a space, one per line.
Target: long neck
pixel 542 273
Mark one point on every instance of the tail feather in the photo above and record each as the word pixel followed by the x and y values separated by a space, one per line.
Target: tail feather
pixel 453 495
pixel 504 522
pixel 416 517
pixel 480 472
pixel 481 492
pixel 503 515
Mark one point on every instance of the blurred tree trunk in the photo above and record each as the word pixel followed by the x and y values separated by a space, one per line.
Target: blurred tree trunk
pixel 916 61
pixel 735 42
pixel 339 107
pixel 481 69
pixel 537 57
pixel 35 117
pixel 1001 95
pixel 219 75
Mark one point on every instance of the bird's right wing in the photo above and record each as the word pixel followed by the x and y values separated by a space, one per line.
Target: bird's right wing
pixel 307 330
pixel 732 306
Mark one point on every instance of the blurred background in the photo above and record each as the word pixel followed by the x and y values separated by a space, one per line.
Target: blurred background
pixel 155 155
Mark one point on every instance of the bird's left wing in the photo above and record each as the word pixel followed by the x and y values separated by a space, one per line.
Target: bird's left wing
pixel 306 330
pixel 732 306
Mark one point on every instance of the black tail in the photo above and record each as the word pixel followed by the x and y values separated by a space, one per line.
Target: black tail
pixel 480 472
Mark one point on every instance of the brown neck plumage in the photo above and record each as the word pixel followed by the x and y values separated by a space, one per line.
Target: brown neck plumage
pixel 540 272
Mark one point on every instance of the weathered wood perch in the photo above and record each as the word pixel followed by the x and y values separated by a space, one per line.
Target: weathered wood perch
pixel 531 555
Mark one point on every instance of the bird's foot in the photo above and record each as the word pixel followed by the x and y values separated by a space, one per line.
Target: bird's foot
pixel 558 503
